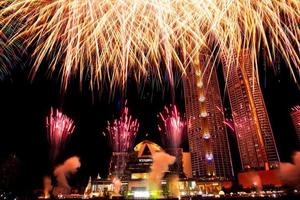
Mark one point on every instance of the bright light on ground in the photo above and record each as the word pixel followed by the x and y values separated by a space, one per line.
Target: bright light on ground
pixel 141 194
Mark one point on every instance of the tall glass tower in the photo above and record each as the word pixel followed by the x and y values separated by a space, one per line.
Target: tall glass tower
pixel 254 133
pixel 207 136
pixel 295 115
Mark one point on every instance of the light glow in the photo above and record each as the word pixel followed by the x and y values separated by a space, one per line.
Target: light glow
pixel 209 156
pixel 141 194
pixel 206 136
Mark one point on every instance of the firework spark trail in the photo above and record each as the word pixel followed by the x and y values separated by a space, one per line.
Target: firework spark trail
pixel 110 38
pixel 9 52
pixel 230 124
pixel 122 132
pixel 227 121
pixel 59 128
pixel 172 128
pixel 4 57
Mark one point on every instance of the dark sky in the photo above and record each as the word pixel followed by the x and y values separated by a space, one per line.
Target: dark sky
pixel 24 105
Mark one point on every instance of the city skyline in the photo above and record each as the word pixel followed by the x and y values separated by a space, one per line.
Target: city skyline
pixel 90 119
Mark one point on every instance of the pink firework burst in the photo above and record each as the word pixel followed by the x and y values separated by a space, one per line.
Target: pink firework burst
pixel 59 128
pixel 172 126
pixel 122 132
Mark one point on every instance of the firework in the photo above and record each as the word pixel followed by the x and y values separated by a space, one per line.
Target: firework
pixel 227 121
pixel 110 38
pixel 230 124
pixel 4 56
pixel 9 52
pixel 59 128
pixel 122 132
pixel 172 128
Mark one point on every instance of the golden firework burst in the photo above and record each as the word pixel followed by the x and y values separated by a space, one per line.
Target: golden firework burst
pixel 111 38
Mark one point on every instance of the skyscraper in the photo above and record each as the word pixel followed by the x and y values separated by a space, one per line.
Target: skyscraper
pixel 254 133
pixel 207 136
pixel 295 115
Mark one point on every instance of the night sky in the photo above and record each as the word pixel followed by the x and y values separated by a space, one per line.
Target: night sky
pixel 24 105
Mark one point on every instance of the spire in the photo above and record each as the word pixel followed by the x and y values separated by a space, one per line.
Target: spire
pixel 88 189
pixel 98 176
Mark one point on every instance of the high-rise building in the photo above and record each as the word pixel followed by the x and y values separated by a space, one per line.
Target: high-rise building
pixel 207 136
pixel 254 133
pixel 295 115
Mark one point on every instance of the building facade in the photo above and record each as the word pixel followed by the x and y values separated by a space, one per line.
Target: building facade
pixel 207 136
pixel 295 115
pixel 137 182
pixel 252 126
pixel 118 165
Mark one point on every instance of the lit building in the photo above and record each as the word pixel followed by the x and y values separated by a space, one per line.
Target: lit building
pixel 260 178
pixel 136 183
pixel 118 165
pixel 99 187
pixel 140 160
pixel 295 115
pixel 207 136
pixel 252 126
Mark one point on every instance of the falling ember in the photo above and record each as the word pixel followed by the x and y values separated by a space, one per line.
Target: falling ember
pixel 109 39
pixel 172 126
pixel 230 124
pixel 4 57
pixel 59 128
pixel 122 132
pixel 227 121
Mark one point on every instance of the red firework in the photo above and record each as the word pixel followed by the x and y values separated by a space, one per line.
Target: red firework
pixel 122 132
pixel 59 128
pixel 172 126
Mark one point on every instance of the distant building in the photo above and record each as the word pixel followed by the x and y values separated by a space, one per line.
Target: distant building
pixel 295 115
pixel 9 172
pixel 207 136
pixel 252 126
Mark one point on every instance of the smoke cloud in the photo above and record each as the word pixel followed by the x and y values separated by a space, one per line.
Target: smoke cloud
pixel 174 186
pixel 62 172
pixel 47 186
pixel 117 186
pixel 290 172
pixel 160 166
